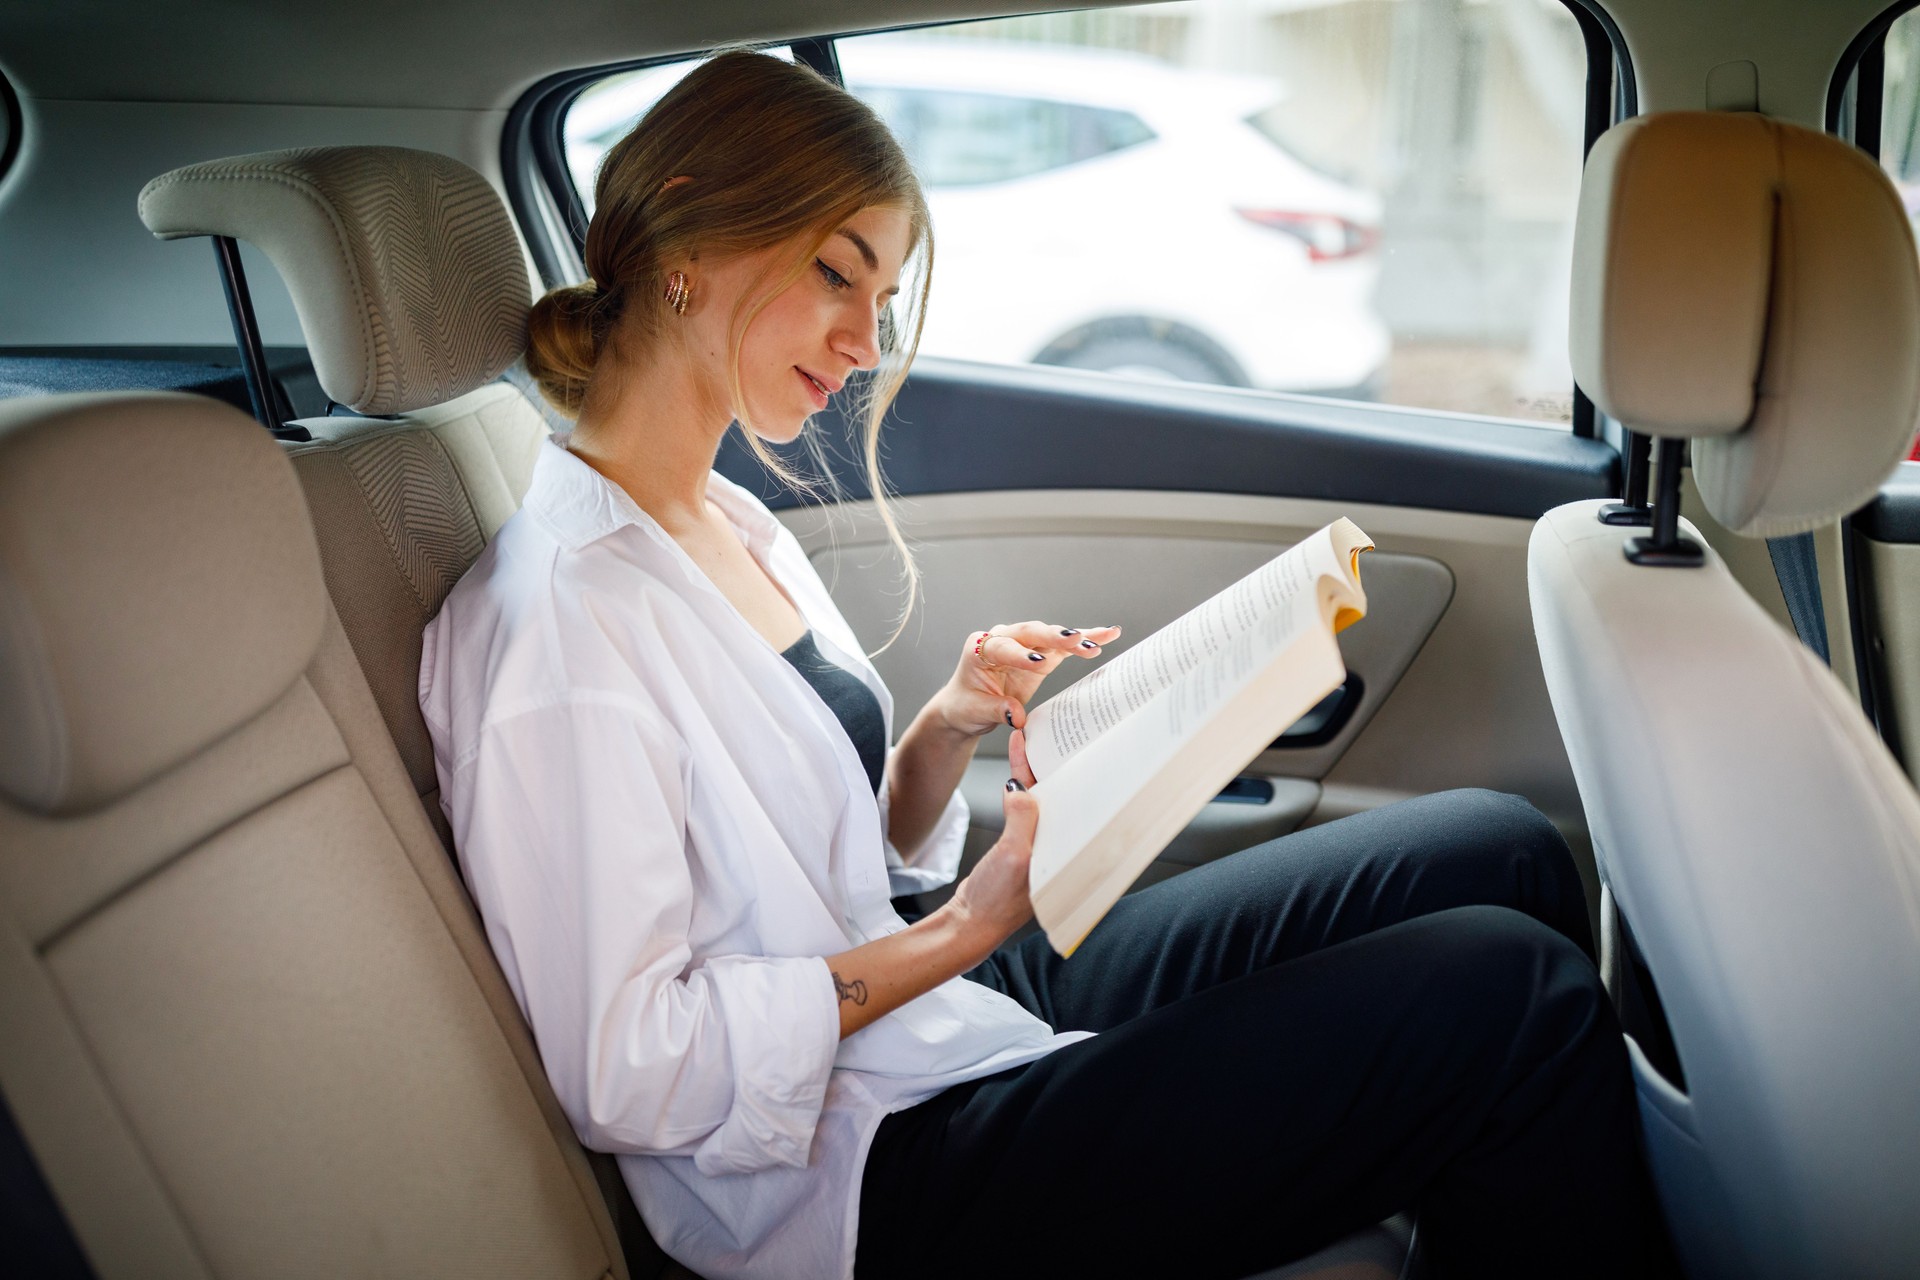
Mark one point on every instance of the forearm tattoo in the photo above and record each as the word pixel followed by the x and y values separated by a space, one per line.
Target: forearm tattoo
pixel 855 991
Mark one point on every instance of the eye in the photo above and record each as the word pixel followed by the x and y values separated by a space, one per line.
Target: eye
pixel 833 278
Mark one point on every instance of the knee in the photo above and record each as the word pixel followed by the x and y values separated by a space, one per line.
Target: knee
pixel 1531 981
pixel 1511 822
pixel 1508 828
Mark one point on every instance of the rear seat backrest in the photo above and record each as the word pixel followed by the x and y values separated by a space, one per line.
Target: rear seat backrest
pixel 250 1025
pixel 413 296
pixel 412 293
pixel 399 520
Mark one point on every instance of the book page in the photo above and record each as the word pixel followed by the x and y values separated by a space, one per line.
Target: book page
pixel 1077 797
pixel 1093 705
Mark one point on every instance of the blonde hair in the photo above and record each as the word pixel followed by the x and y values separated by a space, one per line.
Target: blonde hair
pixel 772 154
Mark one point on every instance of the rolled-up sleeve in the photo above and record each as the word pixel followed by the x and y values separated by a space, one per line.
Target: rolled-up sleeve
pixel 572 831
pixel 937 861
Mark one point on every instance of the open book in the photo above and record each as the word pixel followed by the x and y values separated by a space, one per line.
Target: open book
pixel 1126 756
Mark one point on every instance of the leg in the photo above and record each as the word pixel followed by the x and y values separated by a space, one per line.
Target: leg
pixel 1465 1063
pixel 1283 899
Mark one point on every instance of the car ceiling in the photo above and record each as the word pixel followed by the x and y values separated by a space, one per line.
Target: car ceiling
pixel 482 54
pixel 473 54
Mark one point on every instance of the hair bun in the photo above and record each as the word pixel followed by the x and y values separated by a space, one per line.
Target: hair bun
pixel 565 331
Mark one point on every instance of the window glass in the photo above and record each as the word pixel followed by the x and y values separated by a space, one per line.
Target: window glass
pixel 607 109
pixel 1361 198
pixel 960 139
pixel 1900 120
pixel 1369 199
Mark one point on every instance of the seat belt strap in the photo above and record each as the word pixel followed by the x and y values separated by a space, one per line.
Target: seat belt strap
pixel 1795 565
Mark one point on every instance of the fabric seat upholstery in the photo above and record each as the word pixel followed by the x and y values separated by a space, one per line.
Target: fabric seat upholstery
pixel 402 508
pixel 1751 287
pixel 250 1025
pixel 412 294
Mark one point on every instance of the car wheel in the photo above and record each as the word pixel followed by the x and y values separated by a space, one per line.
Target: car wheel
pixel 1138 355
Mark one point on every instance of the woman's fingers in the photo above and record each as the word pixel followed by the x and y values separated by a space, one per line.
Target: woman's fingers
pixel 1017 758
pixel 1022 813
pixel 1016 643
pixel 1008 651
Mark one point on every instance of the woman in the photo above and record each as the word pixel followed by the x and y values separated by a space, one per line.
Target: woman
pixel 665 761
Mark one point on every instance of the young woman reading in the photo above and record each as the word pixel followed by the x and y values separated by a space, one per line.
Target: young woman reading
pixel 671 775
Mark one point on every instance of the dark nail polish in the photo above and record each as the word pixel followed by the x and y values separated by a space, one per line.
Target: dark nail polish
pixel 1009 719
pixel 1088 644
pixel 1013 784
pixel 1069 631
pixel 1036 657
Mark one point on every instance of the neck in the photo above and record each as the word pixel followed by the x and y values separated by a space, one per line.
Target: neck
pixel 652 428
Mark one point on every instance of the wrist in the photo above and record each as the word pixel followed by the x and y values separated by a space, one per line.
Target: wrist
pixel 940 715
pixel 962 935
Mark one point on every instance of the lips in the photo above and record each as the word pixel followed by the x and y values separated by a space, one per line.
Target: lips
pixel 820 387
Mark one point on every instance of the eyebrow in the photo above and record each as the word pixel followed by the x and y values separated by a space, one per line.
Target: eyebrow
pixel 867 254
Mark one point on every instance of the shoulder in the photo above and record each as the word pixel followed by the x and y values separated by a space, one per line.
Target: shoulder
pixel 536 624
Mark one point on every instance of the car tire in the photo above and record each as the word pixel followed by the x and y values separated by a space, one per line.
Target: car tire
pixel 1140 355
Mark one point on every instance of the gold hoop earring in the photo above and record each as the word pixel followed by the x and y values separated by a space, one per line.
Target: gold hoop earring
pixel 679 292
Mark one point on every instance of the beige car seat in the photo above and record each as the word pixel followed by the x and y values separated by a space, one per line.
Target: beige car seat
pixel 412 294
pixel 1750 287
pixel 248 1023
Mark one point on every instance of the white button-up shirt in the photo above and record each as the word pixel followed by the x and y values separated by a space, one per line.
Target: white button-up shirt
pixel 666 830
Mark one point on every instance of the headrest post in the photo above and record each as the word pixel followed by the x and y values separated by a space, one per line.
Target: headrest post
pixel 1666 549
pixel 1633 510
pixel 1750 286
pixel 246 330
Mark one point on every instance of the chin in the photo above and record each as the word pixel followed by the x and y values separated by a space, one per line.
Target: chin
pixel 781 430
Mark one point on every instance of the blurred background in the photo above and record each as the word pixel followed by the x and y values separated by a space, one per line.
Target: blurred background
pixel 1368 199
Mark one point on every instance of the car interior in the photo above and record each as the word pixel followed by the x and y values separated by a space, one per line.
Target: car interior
pixel 249 1020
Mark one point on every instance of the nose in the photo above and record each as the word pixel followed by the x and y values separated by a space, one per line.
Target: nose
pixel 858 341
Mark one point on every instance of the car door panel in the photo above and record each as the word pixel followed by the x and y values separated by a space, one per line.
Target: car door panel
pixel 961 427
pixel 1090 500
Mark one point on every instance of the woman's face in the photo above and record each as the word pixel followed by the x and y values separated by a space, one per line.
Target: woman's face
pixel 803 345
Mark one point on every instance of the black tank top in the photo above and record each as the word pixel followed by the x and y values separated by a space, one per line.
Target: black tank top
pixel 851 702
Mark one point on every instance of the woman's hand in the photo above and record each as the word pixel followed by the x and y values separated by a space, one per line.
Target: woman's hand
pixel 1000 669
pixel 992 901
pixel 875 978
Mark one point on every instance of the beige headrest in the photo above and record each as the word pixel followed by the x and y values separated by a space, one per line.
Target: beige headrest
pixel 1752 286
pixel 159 586
pixel 403 264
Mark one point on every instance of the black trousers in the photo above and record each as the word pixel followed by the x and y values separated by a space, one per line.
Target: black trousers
pixel 1395 1011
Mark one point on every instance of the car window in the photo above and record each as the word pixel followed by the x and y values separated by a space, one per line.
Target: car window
pixel 607 109
pixel 1351 199
pixel 959 139
pixel 1900 120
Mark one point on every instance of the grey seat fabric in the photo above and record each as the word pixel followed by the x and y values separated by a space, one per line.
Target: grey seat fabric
pixel 1751 287
pixel 248 1022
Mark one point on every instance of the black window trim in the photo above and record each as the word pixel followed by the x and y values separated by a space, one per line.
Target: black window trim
pixel 533 152
pixel 1854 103
pixel 1612 95
pixel 14 121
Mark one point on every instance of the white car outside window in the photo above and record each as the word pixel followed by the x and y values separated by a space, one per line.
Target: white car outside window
pixel 1105 211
